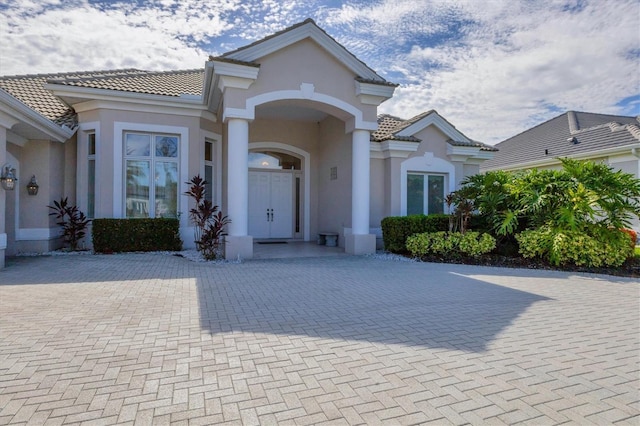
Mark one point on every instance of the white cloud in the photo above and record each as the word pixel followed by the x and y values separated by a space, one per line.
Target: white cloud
pixel 521 64
pixel 492 68
pixel 55 37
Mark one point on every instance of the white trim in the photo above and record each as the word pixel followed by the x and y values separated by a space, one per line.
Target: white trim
pixel 16 139
pixel 392 149
pixel 37 234
pixel 373 94
pixel 434 119
pixel 307 30
pixel 306 170
pixel 3 241
pixel 82 166
pixel 153 107
pixel 424 164
pixel 248 113
pixel 217 163
pixel 14 111
pixel 119 127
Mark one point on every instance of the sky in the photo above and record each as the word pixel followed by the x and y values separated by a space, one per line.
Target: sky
pixel 492 68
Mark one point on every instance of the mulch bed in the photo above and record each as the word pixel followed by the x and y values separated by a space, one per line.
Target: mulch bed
pixel 631 268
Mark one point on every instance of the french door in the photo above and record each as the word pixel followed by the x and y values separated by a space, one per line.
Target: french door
pixel 270 204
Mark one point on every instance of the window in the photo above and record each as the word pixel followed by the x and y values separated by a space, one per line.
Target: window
pixel 91 175
pixel 425 193
pixel 150 155
pixel 208 171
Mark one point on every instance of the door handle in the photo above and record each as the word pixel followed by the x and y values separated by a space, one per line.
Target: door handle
pixel 267 215
pixel 271 215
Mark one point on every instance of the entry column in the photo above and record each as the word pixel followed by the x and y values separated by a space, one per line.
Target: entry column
pixel 360 241
pixel 3 203
pixel 238 243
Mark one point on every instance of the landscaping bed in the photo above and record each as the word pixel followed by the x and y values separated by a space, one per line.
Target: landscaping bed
pixel 631 268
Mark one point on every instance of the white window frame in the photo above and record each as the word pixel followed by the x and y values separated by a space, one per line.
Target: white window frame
pixel 119 175
pixel 217 164
pixel 425 184
pixel 153 159
pixel 425 164
pixel 82 168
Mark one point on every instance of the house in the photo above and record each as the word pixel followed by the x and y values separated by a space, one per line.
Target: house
pixel 611 139
pixel 286 130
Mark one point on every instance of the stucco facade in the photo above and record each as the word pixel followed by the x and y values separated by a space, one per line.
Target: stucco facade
pixel 297 99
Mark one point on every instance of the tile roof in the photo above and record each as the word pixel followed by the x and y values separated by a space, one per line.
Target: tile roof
pixel 29 89
pixel 566 135
pixel 389 127
pixel 166 83
pixel 476 144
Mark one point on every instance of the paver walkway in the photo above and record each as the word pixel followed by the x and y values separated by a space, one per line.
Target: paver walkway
pixel 150 338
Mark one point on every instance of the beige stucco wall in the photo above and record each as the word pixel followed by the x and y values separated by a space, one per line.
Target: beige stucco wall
pixel 378 185
pixel 303 135
pixel 432 140
pixel 105 151
pixel 334 196
pixel 303 62
pixel 53 164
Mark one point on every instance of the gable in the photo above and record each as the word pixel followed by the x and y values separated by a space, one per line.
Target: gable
pixel 304 30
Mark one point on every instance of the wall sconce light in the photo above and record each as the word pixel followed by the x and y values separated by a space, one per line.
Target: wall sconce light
pixel 32 186
pixel 8 177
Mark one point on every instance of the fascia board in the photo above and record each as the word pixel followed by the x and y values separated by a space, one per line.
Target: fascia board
pixel 235 70
pixel 373 94
pixel 190 111
pixel 434 119
pixel 14 108
pixel 309 30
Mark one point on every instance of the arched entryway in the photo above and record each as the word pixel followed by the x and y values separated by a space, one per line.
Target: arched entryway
pixel 278 191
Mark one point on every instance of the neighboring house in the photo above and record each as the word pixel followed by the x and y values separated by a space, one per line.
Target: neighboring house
pixel 611 139
pixel 285 130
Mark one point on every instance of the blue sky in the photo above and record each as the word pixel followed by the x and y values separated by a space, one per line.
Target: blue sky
pixel 492 68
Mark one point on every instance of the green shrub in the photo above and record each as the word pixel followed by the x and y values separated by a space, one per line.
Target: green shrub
pixel 593 247
pixel 450 244
pixel 123 235
pixel 396 229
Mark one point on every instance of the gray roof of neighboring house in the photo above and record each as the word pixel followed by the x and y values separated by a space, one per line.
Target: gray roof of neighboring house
pixel 566 135
pixel 389 127
pixel 29 89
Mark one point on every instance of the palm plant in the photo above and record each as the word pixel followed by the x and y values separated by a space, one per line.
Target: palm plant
pixel 209 222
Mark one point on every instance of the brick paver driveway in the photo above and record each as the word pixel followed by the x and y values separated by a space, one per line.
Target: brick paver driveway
pixel 150 338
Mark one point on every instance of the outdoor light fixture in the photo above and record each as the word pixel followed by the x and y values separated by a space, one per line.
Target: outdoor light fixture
pixel 32 186
pixel 8 177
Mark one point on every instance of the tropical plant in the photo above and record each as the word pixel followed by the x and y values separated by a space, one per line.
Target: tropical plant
pixel 209 222
pixel 489 195
pixel 74 222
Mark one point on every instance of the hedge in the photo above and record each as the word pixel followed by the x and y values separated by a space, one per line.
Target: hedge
pixel 122 235
pixel 396 229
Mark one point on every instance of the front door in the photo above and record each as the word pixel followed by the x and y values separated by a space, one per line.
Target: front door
pixel 270 204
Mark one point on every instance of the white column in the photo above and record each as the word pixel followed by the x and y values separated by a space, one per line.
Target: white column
pixel 238 244
pixel 3 197
pixel 360 241
pixel 238 176
pixel 360 183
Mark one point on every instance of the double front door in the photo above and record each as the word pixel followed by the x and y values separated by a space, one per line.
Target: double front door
pixel 270 204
